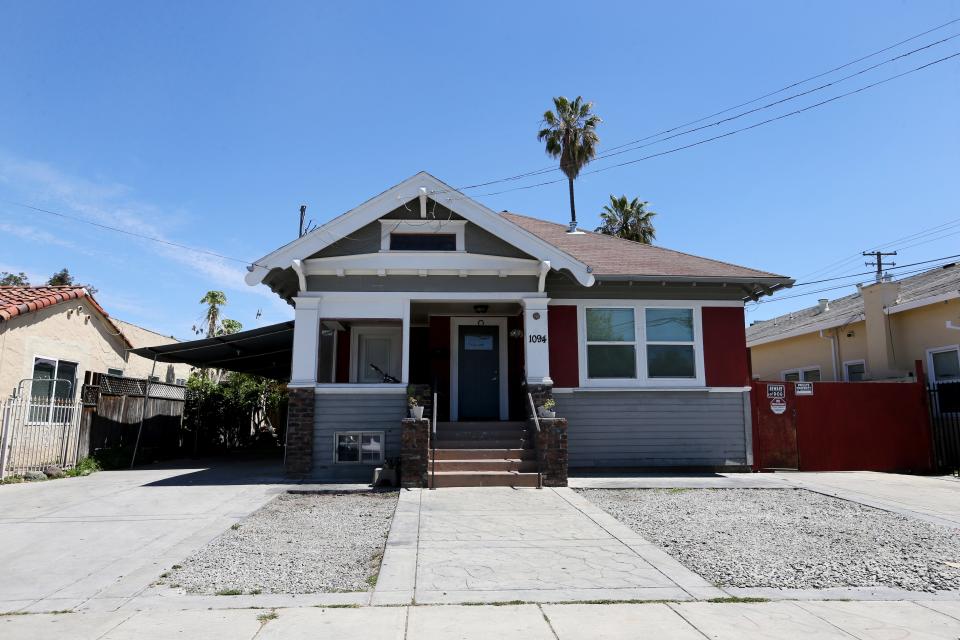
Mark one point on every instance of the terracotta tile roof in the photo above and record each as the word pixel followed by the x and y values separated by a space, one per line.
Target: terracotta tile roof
pixel 612 256
pixel 18 301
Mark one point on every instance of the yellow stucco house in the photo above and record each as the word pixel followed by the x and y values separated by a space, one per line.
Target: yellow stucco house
pixel 877 333
pixel 63 333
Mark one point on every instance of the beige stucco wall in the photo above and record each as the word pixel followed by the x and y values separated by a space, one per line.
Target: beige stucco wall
pixel 917 330
pixel 138 367
pixel 912 333
pixel 60 333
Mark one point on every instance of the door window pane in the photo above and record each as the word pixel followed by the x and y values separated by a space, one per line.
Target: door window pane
pixel 670 361
pixel 669 325
pixel 610 325
pixel 946 366
pixel 348 447
pixel 611 361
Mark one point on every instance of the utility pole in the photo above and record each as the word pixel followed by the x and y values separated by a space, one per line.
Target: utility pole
pixel 878 262
pixel 303 214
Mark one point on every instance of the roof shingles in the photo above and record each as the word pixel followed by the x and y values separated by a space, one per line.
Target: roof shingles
pixel 612 256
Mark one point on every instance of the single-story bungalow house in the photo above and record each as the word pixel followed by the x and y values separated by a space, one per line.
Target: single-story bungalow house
pixel 642 348
pixel 63 333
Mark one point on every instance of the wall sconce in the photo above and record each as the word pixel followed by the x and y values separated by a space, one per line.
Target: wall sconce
pixel 515 333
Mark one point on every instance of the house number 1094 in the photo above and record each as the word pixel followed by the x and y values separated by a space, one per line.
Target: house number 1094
pixel 537 337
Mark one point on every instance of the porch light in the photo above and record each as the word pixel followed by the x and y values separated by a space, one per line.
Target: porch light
pixel 481 308
pixel 516 333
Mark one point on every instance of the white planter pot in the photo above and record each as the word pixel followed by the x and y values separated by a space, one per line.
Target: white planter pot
pixel 543 413
pixel 416 413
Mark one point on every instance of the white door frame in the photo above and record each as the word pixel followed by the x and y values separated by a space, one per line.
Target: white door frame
pixel 455 324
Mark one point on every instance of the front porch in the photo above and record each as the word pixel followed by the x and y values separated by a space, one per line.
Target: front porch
pixel 470 359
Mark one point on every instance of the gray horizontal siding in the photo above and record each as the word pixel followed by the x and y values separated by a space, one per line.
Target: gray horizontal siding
pixel 562 286
pixel 416 283
pixel 354 412
pixel 654 429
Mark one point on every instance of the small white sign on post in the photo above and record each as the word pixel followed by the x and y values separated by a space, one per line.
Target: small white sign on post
pixel 803 388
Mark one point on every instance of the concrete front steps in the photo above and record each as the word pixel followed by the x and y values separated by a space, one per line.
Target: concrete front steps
pixel 483 454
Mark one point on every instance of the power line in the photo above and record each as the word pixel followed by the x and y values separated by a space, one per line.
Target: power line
pixel 129 233
pixel 865 273
pixel 743 104
pixel 735 131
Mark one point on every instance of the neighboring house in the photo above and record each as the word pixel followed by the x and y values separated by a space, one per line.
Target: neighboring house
pixel 877 333
pixel 63 333
pixel 643 347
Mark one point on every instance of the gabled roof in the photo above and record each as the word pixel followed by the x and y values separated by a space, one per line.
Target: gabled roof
pixel 19 301
pixel 410 189
pixel 612 256
pixel 929 286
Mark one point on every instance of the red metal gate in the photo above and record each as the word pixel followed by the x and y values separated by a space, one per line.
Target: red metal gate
pixel 841 426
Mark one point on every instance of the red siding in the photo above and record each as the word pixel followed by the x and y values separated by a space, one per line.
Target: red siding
pixel 725 347
pixel 562 342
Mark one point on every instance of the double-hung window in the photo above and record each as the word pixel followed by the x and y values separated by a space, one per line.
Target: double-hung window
pixel 633 345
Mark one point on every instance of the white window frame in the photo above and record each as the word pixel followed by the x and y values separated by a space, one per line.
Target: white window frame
pixel 453 227
pixel 846 375
pixel 642 378
pixel 801 371
pixel 931 376
pixel 394 332
pixel 697 366
pixel 360 460
pixel 53 390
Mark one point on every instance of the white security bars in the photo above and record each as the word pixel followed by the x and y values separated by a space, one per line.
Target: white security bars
pixel 38 432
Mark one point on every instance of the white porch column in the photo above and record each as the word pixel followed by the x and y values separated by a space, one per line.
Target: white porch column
pixel 306 341
pixel 536 347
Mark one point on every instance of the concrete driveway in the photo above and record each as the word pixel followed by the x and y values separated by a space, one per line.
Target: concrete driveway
pixel 106 537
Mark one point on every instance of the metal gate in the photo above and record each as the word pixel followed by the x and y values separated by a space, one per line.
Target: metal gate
pixel 944 405
pixel 38 432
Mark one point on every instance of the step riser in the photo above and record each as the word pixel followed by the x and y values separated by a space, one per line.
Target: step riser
pixel 484 465
pixel 480 426
pixel 485 454
pixel 485 481
pixel 479 435
pixel 482 444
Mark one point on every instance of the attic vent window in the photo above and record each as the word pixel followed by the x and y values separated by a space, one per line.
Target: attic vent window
pixel 423 242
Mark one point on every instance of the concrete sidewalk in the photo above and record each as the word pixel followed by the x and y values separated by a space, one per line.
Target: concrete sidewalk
pixel 677 621
pixel 104 538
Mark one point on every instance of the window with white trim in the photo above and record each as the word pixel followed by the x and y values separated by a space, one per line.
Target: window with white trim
pixel 52 389
pixel 631 345
pixel 358 447
pixel 670 343
pixel 945 364
pixel 854 370
pixel 611 343
pixel 808 374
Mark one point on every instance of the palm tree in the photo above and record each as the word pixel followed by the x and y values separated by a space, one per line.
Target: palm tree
pixel 628 220
pixel 214 300
pixel 571 135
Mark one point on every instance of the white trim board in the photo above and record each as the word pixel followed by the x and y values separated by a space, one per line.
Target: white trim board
pixel 409 189
pixel 455 324
pixel 922 302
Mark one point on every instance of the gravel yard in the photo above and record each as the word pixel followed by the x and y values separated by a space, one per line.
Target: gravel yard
pixel 788 538
pixel 295 544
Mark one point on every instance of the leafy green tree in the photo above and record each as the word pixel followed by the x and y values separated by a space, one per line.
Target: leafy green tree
pixel 8 279
pixel 628 220
pixel 228 326
pixel 64 278
pixel 571 135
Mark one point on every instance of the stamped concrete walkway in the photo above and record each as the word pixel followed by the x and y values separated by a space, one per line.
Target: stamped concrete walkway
pixel 676 621
pixel 474 545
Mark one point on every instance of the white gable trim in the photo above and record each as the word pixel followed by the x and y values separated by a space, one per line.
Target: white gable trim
pixel 377 207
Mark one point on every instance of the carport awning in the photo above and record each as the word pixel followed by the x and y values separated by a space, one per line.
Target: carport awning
pixel 265 351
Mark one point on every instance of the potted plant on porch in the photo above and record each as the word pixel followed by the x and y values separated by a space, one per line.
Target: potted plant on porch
pixel 546 409
pixel 416 411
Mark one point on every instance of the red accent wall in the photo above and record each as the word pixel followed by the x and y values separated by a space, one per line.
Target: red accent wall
pixel 562 343
pixel 439 345
pixel 343 356
pixel 725 356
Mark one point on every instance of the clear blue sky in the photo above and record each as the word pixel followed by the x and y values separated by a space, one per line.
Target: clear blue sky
pixel 209 123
